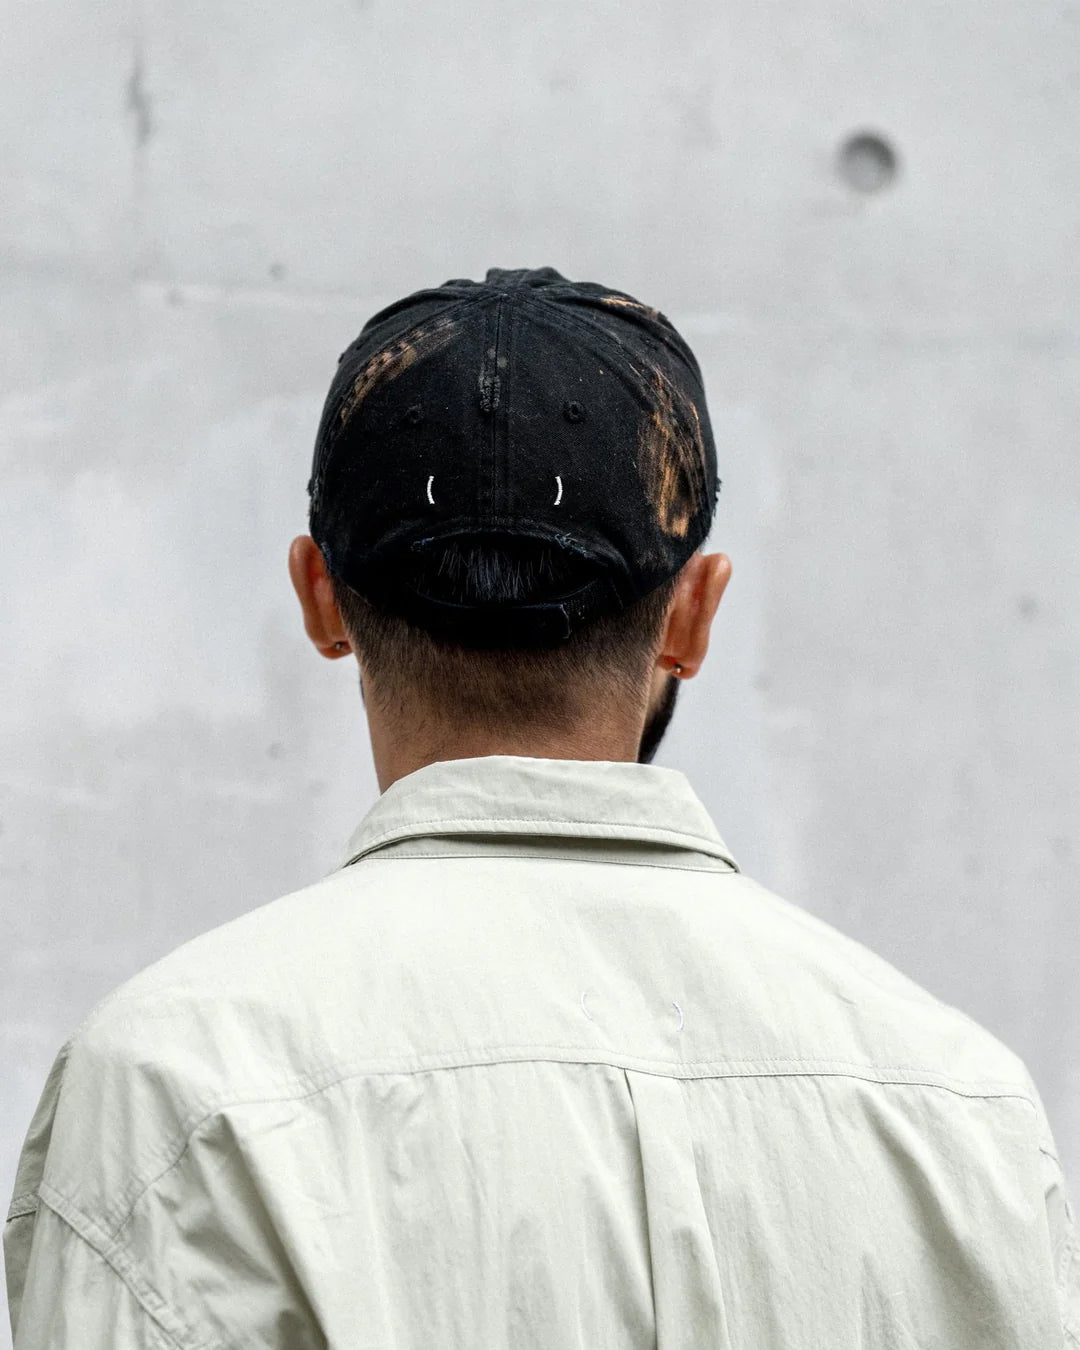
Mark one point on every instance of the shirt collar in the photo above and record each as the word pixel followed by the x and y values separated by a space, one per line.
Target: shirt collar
pixel 520 795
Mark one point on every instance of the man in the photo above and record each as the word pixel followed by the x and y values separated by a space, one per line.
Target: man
pixel 538 1065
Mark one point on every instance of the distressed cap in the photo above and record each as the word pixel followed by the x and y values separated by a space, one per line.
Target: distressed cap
pixel 521 407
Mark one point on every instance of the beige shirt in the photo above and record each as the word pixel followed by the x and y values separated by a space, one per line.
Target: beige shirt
pixel 539 1067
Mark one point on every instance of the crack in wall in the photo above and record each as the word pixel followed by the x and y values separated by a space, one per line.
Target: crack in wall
pixel 138 100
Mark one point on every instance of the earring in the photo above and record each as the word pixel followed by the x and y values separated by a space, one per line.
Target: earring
pixel 341 646
pixel 678 668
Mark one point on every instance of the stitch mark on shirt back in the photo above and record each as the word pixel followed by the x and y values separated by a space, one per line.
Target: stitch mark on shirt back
pixel 591 1018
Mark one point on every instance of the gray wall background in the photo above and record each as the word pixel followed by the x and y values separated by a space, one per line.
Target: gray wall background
pixel 202 204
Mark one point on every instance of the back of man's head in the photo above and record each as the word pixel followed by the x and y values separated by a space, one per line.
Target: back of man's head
pixel 509 478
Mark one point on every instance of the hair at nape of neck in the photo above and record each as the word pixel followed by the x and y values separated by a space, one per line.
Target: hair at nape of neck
pixel 611 656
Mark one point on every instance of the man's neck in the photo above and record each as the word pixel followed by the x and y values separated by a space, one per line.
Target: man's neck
pixel 397 753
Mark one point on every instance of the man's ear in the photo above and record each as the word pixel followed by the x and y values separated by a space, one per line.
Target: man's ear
pixel 697 595
pixel 311 581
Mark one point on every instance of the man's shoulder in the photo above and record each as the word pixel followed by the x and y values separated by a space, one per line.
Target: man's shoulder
pixel 201 1008
pixel 338 976
pixel 855 996
pixel 215 1018
pixel 237 957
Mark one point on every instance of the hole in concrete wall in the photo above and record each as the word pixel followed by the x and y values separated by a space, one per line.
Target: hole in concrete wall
pixel 867 162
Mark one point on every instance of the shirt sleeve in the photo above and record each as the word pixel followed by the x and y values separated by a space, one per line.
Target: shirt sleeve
pixel 72 1299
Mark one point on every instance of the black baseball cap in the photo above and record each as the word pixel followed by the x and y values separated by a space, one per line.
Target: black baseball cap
pixel 523 407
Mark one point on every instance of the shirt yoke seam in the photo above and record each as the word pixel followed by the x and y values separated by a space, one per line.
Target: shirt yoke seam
pixel 527 1054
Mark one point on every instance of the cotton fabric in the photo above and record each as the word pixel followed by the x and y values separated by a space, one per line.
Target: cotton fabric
pixel 538 1067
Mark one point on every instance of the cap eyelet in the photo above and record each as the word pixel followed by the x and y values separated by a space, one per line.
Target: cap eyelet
pixel 414 415
pixel 574 411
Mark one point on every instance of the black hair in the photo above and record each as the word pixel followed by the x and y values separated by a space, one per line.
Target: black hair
pixel 541 687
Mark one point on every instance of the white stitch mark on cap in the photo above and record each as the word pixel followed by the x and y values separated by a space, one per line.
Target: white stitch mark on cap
pixel 430 498
pixel 585 1010
pixel 679 1011
pixel 558 495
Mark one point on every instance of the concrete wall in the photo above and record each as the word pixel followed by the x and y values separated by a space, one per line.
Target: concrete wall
pixel 202 203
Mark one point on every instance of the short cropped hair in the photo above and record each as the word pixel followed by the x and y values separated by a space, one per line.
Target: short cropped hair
pixel 539 688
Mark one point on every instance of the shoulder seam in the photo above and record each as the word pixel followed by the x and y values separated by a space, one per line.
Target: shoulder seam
pixel 165 1321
